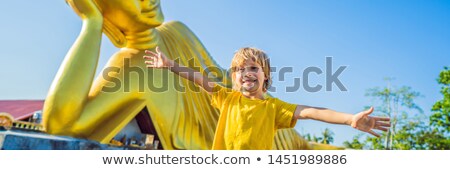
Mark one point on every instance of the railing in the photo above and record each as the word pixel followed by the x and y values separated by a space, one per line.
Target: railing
pixel 7 122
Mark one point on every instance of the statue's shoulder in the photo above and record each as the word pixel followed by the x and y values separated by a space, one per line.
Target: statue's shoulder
pixel 174 26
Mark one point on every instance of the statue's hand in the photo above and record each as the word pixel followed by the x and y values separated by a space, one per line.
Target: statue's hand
pixel 86 9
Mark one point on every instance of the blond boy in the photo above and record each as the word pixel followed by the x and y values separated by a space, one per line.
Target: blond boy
pixel 248 119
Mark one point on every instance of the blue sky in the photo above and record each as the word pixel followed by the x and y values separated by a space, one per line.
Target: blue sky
pixel 407 40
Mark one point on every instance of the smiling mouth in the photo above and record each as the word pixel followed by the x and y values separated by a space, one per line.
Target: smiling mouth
pixel 248 81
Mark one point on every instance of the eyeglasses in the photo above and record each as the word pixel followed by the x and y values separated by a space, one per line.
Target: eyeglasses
pixel 253 69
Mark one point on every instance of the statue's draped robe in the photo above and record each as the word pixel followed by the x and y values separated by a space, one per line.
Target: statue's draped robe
pixel 193 121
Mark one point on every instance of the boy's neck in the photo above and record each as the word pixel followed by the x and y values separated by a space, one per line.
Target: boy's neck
pixel 254 95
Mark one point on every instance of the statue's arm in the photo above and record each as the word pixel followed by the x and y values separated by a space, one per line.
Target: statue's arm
pixel 70 87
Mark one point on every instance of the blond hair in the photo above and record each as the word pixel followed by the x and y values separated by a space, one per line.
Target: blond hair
pixel 257 56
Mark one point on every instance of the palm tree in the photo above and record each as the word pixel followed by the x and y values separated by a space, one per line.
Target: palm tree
pixel 327 136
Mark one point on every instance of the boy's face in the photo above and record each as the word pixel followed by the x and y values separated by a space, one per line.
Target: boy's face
pixel 250 77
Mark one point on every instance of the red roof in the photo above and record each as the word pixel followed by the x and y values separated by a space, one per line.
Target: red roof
pixel 21 109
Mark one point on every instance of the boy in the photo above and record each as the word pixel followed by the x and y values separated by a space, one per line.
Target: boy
pixel 248 119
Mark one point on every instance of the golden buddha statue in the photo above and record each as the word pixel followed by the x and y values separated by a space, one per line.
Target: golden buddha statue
pixel 80 106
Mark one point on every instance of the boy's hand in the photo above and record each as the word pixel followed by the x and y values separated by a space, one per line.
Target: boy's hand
pixel 363 122
pixel 157 60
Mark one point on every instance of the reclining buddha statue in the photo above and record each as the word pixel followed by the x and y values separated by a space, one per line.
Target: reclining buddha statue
pixel 80 105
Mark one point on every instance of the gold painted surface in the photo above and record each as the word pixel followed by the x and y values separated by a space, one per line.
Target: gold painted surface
pixel 321 146
pixel 289 139
pixel 6 120
pixel 80 106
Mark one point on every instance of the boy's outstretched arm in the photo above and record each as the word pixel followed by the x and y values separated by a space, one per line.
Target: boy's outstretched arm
pixel 159 60
pixel 361 121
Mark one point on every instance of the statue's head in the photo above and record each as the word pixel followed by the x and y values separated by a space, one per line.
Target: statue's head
pixel 122 16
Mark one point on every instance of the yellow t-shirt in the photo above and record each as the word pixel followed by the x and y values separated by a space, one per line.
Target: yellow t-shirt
pixel 249 124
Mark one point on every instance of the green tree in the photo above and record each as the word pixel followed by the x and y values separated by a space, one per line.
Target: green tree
pixel 312 138
pixel 327 136
pixel 441 109
pixel 440 119
pixel 316 139
pixel 397 104
pixel 355 143
pixel 307 137
pixel 414 133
